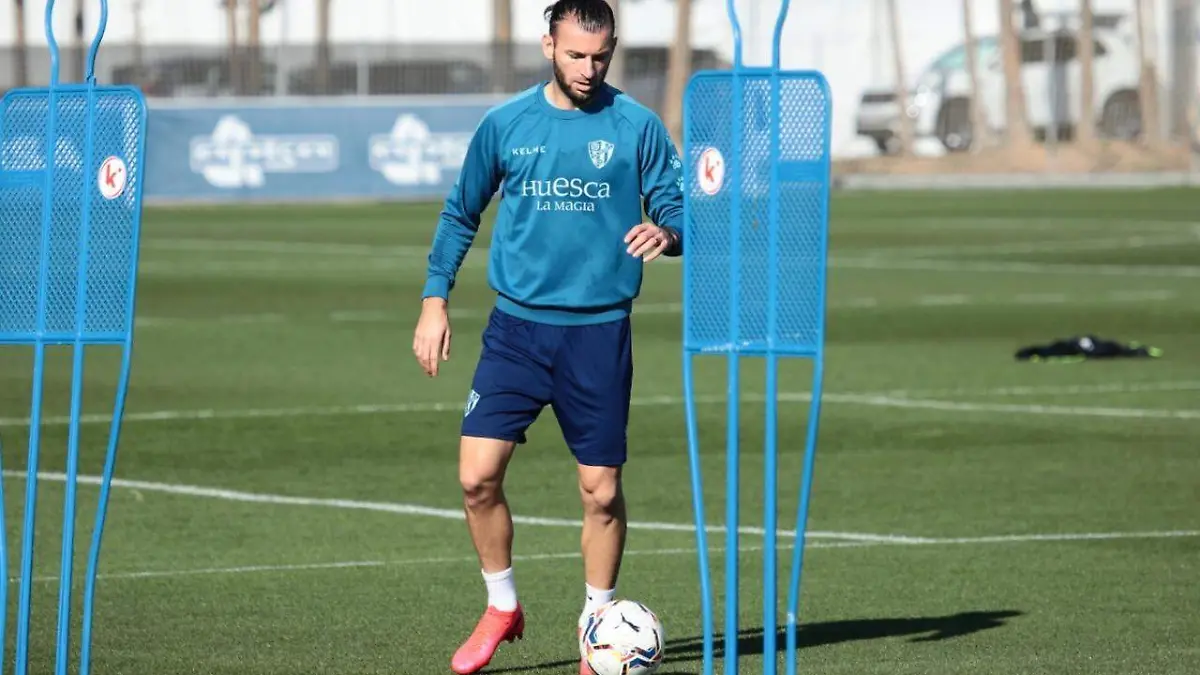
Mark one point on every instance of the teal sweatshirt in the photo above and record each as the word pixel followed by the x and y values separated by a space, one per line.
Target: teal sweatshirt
pixel 571 183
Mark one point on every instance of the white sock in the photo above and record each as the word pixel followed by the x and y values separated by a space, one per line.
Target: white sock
pixel 502 591
pixel 594 597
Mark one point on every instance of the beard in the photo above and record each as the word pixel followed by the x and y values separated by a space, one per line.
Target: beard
pixel 565 87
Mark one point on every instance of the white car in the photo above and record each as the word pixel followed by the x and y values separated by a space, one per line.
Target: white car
pixel 938 104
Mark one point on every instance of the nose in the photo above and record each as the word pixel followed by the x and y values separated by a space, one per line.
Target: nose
pixel 589 69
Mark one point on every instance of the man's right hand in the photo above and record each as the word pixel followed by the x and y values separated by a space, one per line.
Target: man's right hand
pixel 431 341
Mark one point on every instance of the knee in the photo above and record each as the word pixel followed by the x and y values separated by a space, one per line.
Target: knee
pixel 481 465
pixel 601 493
pixel 479 490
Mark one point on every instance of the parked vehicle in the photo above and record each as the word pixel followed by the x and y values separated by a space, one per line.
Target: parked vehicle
pixel 1050 73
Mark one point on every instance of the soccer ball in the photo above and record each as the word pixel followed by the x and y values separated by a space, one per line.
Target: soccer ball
pixel 622 637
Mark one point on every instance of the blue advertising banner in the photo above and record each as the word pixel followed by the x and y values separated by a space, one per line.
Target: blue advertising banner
pixel 301 150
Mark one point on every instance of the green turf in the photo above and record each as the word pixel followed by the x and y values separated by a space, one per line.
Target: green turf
pixel 273 370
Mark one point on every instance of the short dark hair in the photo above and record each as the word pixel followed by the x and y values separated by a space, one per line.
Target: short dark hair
pixel 592 15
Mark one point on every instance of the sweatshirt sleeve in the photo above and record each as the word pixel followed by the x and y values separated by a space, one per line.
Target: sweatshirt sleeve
pixel 662 182
pixel 458 224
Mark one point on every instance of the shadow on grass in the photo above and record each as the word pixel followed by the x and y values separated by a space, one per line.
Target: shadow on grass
pixel 750 640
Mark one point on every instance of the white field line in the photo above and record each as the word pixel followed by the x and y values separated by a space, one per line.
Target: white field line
pixel 281 247
pixel 1079 224
pixel 417 509
pixel 574 555
pixel 410 562
pixel 1066 224
pixel 355 564
pixel 1001 267
pixel 268 267
pixel 304 411
pixel 840 539
pixel 366 250
pixel 890 399
pixel 1079 536
pixel 357 258
pixel 1023 409
pixel 1046 298
pixel 669 308
pixel 1139 296
pixel 358 266
pixel 1076 245
pixel 1052 390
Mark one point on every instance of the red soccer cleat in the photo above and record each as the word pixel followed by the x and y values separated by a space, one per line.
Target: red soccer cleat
pixel 493 628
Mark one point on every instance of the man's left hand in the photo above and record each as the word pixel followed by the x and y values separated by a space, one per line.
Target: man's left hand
pixel 647 241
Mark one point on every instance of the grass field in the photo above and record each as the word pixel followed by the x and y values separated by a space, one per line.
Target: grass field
pixel 291 504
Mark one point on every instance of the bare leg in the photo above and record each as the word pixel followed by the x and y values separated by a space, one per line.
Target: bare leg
pixel 603 540
pixel 481 466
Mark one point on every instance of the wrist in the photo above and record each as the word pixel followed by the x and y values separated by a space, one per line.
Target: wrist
pixel 433 301
pixel 673 240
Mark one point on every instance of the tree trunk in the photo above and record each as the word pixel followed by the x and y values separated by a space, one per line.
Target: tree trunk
pixel 254 49
pixel 1016 126
pixel 901 85
pixel 679 70
pixel 502 46
pixel 1148 84
pixel 235 62
pixel 139 57
pixel 978 116
pixel 323 56
pixel 1086 129
pixel 616 69
pixel 21 63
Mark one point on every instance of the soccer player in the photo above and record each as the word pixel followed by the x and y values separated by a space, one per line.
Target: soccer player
pixel 574 161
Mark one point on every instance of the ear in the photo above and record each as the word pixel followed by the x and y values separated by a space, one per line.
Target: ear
pixel 548 47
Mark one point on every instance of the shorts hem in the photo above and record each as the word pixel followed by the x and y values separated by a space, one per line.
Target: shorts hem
pixel 508 438
pixel 600 460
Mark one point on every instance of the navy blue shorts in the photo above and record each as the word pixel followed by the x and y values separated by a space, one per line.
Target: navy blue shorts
pixel 585 373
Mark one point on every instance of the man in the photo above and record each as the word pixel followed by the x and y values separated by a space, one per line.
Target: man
pixel 574 161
